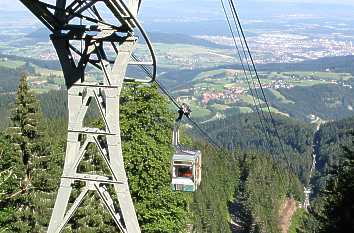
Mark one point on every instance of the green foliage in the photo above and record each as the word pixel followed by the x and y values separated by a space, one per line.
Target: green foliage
pixel 332 208
pixel 25 193
pixel 9 77
pixel 263 188
pixel 298 221
pixel 338 206
pixel 5 101
pixel 249 188
pixel 220 177
pixel 146 125
pixel 54 104
pixel 331 138
pixel 24 132
pixel 246 133
pixel 327 101
pixel 146 133
pixel 11 173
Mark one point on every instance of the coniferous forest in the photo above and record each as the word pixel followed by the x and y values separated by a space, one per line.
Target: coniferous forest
pixel 243 188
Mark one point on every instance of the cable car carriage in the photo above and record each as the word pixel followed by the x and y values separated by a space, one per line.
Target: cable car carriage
pixel 186 164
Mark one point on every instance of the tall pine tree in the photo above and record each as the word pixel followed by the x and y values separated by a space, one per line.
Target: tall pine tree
pixel 25 133
pixel 26 163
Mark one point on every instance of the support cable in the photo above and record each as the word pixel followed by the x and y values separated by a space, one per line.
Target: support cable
pixel 174 101
pixel 249 68
pixel 233 8
pixel 201 130
pixel 259 111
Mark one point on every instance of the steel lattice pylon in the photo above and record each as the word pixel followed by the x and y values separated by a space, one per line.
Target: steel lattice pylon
pixel 89 33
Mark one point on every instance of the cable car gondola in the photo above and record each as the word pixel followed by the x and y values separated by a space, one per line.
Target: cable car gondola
pixel 186 164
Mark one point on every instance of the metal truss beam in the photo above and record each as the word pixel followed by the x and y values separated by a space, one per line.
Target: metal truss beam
pixel 107 140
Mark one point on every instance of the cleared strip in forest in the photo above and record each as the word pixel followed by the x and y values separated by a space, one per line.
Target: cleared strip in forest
pixel 286 212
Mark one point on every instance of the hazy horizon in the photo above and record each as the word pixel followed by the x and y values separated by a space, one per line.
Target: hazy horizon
pixel 11 5
pixel 159 15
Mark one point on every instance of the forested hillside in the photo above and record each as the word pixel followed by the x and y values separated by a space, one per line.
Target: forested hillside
pixel 262 187
pixel 210 207
pixel 332 207
pixel 243 182
pixel 53 106
pixel 10 77
pixel 328 102
pixel 246 132
pixel 332 138
pixel 149 153
pixel 242 192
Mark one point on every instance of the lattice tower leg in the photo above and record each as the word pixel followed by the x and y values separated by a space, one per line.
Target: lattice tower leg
pixel 108 140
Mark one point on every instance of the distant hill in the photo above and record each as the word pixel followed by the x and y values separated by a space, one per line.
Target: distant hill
pixel 41 35
pixel 167 38
pixel 327 101
pixel 340 64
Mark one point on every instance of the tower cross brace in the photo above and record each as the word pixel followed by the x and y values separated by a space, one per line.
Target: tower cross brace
pixel 80 35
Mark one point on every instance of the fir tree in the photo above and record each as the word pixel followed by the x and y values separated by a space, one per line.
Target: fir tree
pixel 27 162
pixel 25 132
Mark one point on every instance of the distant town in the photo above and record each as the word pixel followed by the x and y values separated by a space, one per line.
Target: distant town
pixel 287 48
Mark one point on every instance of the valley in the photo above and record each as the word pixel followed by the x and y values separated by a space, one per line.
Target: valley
pixel 221 90
pixel 253 183
pixel 298 57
